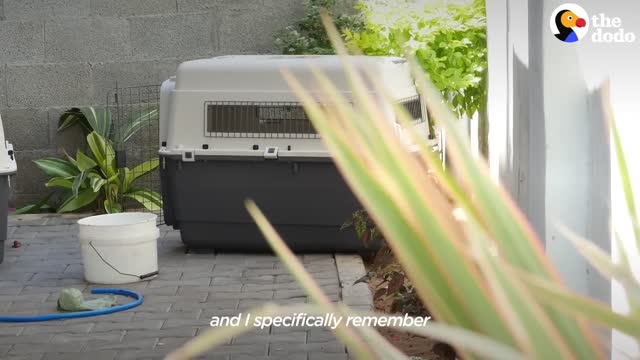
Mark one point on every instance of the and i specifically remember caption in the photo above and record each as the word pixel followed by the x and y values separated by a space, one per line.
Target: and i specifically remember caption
pixel 331 321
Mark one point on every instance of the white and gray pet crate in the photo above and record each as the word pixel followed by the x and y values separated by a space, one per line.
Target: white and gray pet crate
pixel 231 129
pixel 7 168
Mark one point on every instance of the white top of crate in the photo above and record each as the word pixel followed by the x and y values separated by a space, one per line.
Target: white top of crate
pixel 197 106
pixel 263 73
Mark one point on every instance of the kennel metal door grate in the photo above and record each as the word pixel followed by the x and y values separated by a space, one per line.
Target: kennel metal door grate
pixel 135 113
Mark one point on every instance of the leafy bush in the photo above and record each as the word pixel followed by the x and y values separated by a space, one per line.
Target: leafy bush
pixel 308 36
pixel 475 262
pixel 448 40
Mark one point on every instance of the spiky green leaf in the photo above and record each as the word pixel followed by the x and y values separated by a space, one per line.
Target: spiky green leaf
pixel 84 162
pixel 150 199
pixel 72 203
pixel 78 182
pixel 34 208
pixel 137 123
pixel 54 167
pixel 99 120
pixel 66 183
pixel 130 176
pixel 103 153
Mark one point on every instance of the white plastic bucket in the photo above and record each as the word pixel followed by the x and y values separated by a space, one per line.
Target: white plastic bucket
pixel 119 248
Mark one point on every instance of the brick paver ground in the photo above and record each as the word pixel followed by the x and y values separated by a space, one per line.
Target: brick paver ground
pixel 179 303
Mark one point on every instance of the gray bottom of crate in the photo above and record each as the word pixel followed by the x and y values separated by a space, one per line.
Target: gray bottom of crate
pixel 306 201
pixel 4 212
pixel 247 238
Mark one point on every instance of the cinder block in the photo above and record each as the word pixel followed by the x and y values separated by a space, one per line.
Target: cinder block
pixel 3 87
pixel 48 85
pixel 345 7
pixel 21 41
pixel 36 9
pixel 128 74
pixel 172 36
pixel 87 39
pixel 27 129
pixel 200 5
pixel 70 139
pixel 292 10
pixel 253 30
pixel 124 8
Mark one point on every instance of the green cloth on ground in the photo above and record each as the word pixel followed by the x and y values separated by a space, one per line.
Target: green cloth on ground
pixel 72 300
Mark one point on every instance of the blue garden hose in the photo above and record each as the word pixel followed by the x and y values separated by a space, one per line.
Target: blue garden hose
pixel 79 314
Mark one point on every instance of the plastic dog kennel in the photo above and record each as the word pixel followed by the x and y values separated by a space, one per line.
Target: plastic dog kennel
pixel 231 129
pixel 7 167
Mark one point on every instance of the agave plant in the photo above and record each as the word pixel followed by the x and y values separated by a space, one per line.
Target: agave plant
pixel 476 263
pixel 94 177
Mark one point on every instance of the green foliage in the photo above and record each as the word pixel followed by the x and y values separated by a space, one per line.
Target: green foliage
pixel 86 179
pixel 365 228
pixel 100 120
pixel 308 35
pixel 37 208
pixel 468 251
pixel 94 177
pixel 448 40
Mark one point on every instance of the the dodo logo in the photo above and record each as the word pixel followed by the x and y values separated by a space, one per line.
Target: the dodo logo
pixel 569 23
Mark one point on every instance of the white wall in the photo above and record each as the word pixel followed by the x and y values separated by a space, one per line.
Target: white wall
pixel 548 141
pixel 619 63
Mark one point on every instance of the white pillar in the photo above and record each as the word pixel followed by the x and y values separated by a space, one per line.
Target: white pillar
pixel 549 145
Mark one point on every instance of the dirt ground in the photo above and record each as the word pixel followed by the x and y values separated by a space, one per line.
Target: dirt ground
pixel 417 346
pixel 412 345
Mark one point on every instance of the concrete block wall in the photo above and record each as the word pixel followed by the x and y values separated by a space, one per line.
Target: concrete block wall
pixel 56 54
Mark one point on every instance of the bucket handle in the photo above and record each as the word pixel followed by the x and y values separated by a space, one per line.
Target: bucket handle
pixel 141 277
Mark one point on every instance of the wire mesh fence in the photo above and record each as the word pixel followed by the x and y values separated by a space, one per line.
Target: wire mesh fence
pixel 135 133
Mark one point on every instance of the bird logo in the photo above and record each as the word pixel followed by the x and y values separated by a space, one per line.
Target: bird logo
pixel 569 23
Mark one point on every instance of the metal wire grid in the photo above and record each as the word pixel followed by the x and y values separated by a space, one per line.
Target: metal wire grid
pixel 413 105
pixel 238 119
pixel 282 120
pixel 136 128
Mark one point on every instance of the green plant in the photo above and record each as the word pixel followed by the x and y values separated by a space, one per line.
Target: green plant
pixel 100 120
pixel 86 179
pixel 364 227
pixel 447 39
pixel 41 206
pixel 475 262
pixel 308 36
